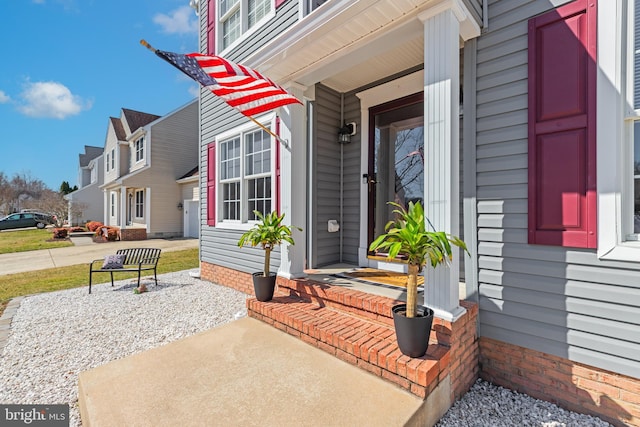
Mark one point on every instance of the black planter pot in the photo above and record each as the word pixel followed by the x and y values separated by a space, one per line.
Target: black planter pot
pixel 412 333
pixel 264 286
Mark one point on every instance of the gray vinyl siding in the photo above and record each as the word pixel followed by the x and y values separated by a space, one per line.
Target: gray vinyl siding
pixel 325 182
pixel 327 157
pixel 562 301
pixel 219 245
pixel 352 184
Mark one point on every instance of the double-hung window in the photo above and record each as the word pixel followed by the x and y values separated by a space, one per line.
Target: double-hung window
pixel 138 146
pixel 108 162
pixel 246 176
pixel 618 130
pixel 139 203
pixel 237 17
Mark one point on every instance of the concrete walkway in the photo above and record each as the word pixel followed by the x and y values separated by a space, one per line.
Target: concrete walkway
pixel 245 373
pixel 83 252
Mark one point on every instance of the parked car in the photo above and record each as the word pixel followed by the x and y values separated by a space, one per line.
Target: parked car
pixel 26 219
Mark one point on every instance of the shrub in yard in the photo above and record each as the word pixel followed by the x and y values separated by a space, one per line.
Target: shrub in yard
pixel 60 233
pixel 94 225
pixel 77 230
pixel 108 233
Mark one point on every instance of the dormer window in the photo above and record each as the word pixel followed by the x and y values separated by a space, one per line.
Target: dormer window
pixel 138 146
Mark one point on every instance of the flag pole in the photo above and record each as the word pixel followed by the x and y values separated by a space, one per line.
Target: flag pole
pixel 144 43
pixel 266 129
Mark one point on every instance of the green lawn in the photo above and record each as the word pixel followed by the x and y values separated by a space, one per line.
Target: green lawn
pixel 29 240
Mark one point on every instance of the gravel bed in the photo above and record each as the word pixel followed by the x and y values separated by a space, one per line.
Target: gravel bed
pixel 57 335
pixel 490 405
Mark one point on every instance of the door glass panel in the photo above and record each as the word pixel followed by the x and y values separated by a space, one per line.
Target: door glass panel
pixel 398 161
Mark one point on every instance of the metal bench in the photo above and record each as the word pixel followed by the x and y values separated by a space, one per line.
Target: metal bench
pixel 136 260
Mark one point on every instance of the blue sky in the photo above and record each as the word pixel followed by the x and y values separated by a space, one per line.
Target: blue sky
pixel 69 65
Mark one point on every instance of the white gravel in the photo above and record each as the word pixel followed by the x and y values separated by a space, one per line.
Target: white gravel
pixel 490 405
pixel 55 336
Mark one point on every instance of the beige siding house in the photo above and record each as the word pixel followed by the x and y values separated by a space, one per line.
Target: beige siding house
pixel 145 156
pixel 86 203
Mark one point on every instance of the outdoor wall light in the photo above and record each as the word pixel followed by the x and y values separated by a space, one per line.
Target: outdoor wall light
pixel 180 206
pixel 345 133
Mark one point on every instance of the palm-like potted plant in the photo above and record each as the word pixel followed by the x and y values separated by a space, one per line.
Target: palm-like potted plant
pixel 407 235
pixel 267 233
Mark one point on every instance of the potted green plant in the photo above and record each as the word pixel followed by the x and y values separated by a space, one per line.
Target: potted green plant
pixel 267 233
pixel 407 235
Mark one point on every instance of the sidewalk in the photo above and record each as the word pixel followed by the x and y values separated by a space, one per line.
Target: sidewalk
pixel 83 252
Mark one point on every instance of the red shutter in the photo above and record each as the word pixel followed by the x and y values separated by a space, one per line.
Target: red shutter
pixel 211 184
pixel 279 3
pixel 562 133
pixel 211 27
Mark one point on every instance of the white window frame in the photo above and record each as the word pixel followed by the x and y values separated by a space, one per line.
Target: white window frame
pixel 245 31
pixel 107 162
pixel 243 223
pixel 138 148
pixel 112 202
pixel 615 119
pixel 113 158
pixel 138 203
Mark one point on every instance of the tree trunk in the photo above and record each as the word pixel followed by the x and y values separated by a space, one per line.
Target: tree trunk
pixel 267 261
pixel 412 290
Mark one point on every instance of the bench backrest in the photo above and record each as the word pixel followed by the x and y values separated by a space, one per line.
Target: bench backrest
pixel 135 255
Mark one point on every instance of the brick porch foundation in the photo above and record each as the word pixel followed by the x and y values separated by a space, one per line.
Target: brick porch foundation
pixel 358 328
pixel 133 234
pixel 574 386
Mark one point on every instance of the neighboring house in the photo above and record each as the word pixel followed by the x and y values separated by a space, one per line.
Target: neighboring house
pixel 513 124
pixel 87 202
pixel 190 190
pixel 144 157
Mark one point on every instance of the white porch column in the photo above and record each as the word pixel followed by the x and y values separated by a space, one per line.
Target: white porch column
pixel 122 208
pixel 441 140
pixel 293 179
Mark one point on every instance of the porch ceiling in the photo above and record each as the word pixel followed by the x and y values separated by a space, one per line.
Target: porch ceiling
pixel 346 44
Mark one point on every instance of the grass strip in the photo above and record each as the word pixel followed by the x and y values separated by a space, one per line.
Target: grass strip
pixel 29 240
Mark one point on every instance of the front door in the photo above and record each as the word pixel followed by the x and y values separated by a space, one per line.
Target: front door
pixel 396 159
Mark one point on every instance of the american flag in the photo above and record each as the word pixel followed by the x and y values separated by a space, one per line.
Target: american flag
pixel 241 87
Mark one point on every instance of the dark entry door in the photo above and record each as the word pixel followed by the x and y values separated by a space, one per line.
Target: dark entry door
pixel 396 158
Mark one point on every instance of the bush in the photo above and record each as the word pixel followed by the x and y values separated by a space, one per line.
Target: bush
pixel 60 233
pixel 77 230
pixel 94 225
pixel 108 233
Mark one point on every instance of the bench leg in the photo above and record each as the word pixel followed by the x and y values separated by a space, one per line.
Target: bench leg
pixel 138 277
pixel 111 272
pixel 90 275
pixel 155 276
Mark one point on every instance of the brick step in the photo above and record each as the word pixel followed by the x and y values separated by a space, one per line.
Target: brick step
pixel 354 327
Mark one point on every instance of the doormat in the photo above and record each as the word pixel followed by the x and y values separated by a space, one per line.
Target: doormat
pixel 382 276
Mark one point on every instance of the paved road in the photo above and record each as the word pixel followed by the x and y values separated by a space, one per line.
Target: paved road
pixel 83 252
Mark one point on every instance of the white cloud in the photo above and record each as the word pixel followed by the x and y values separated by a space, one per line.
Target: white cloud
pixel 179 21
pixel 194 90
pixel 4 98
pixel 51 100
